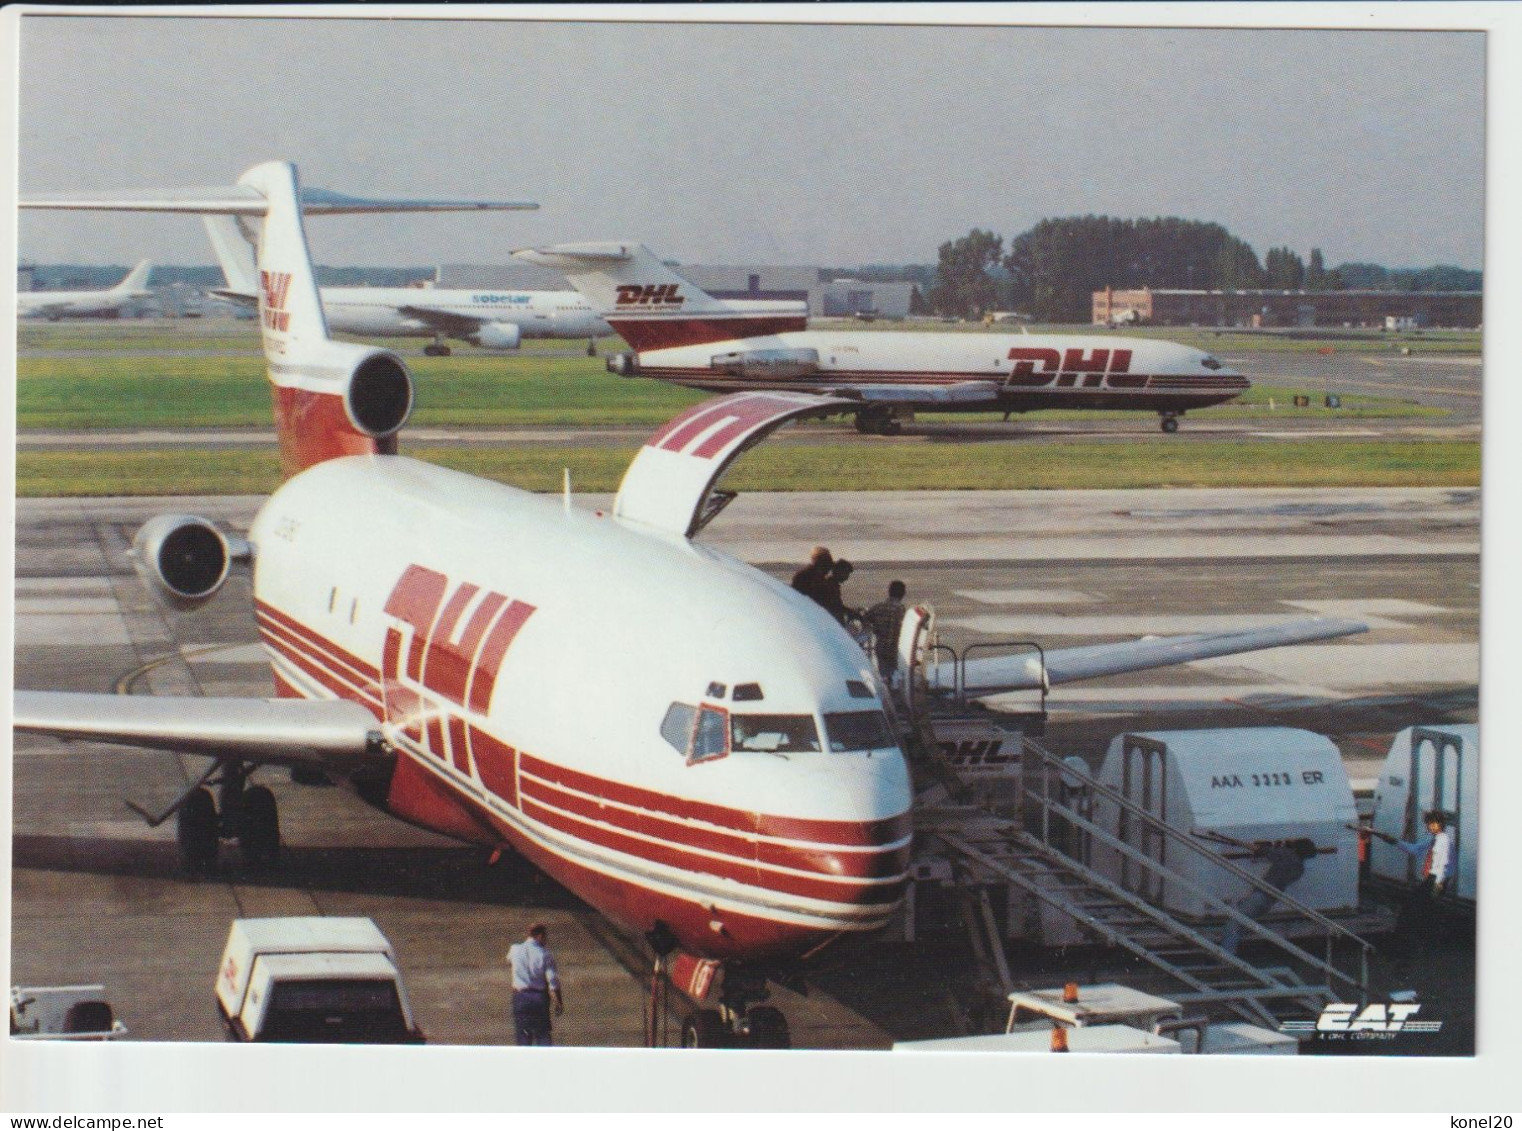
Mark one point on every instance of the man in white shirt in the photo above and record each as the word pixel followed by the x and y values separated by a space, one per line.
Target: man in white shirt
pixel 536 984
pixel 1435 851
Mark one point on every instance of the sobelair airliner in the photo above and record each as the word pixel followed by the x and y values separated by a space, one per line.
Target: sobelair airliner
pixel 694 749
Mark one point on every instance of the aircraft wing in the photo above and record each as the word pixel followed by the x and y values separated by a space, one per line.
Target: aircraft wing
pixel 963 392
pixel 670 484
pixel 242 298
pixel 331 734
pixel 444 321
pixel 242 200
pixel 1023 671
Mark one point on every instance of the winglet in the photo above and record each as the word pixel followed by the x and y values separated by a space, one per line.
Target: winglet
pixel 671 482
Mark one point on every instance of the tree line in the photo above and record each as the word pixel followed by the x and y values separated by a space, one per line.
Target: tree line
pixel 1052 270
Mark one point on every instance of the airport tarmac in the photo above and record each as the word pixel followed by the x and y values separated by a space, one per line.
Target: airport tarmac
pixel 97 896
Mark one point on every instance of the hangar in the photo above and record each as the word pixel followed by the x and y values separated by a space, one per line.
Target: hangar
pixel 1167 307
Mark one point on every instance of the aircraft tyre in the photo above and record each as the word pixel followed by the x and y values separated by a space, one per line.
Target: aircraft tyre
pixel 197 832
pixel 768 1028
pixel 259 828
pixel 436 349
pixel 1170 424
pixel 591 347
pixel 704 1029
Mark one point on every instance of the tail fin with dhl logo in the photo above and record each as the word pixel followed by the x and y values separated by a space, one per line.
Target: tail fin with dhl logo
pixel 651 306
pixel 331 399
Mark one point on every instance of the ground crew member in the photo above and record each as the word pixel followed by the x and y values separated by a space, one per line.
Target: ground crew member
pixel 830 595
pixel 1435 850
pixel 536 985
pixel 886 620
pixel 1286 864
pixel 811 579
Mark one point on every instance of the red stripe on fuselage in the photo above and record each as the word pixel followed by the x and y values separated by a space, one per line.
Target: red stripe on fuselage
pixel 664 333
pixel 358 664
pixel 863 834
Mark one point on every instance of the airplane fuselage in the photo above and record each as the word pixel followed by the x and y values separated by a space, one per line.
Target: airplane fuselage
pixel 1028 371
pixel 73 304
pixel 536 669
pixel 378 311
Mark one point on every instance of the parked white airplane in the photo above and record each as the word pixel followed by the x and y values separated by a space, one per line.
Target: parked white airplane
pixel 54 305
pixel 695 749
pixel 681 334
pixel 490 319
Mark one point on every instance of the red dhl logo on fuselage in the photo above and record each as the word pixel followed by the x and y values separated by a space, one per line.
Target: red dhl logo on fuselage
pixel 274 286
pixel 458 662
pixel 1070 361
pixel 649 294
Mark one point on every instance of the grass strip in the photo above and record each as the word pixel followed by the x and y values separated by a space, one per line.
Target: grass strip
pixel 819 467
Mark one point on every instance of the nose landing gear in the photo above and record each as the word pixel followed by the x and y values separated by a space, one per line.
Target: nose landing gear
pixel 1169 422
pixel 740 1021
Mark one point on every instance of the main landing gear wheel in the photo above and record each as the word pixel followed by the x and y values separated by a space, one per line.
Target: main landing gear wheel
pixel 197 832
pixel 259 828
pixel 704 1029
pixel 436 349
pixel 768 1028
pixel 878 422
pixel 591 347
pixel 1170 424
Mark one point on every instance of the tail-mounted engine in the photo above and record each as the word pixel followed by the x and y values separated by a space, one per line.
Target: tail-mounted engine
pixel 497 336
pixel 378 396
pixel 185 558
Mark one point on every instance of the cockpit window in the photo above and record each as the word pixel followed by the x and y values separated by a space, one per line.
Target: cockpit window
pixel 1210 363
pixel 711 739
pixel 676 728
pixel 775 734
pixel 858 730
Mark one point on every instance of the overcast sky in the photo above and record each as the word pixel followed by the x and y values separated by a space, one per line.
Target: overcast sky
pixel 770 144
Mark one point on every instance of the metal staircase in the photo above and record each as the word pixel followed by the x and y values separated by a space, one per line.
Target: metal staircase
pixel 1040 853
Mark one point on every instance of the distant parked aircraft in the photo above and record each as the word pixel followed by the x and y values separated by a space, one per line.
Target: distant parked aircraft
pixel 490 319
pixel 54 305
pixel 681 334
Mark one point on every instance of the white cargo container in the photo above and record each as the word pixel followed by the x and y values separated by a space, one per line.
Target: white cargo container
pixel 314 979
pixel 1235 786
pixel 1434 767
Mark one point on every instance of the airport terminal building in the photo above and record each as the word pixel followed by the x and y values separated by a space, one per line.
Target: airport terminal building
pixel 1265 308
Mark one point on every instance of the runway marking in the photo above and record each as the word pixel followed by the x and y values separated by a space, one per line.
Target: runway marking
pixel 1371 608
pixel 63 584
pixel 1361 667
pixel 1316 433
pixel 65 606
pixel 95 630
pixel 224 653
pixel 1026 596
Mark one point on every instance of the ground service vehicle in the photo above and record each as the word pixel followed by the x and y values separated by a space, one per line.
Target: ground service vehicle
pixel 313 979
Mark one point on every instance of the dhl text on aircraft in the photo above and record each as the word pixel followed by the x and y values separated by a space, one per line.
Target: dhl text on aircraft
pixel 699 752
pixel 681 334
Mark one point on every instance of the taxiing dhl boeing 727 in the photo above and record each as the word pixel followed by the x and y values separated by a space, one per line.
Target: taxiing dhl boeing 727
pixel 695 749
pixel 684 335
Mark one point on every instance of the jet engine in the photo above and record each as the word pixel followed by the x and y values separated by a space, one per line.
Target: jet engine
pixel 497 336
pixel 185 558
pixel 378 396
pixel 768 365
pixel 624 364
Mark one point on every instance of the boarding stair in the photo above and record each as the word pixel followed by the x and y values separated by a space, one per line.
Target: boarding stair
pixel 1041 852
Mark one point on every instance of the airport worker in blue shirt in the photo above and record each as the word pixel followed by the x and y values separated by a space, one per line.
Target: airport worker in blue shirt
pixel 1435 851
pixel 536 984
